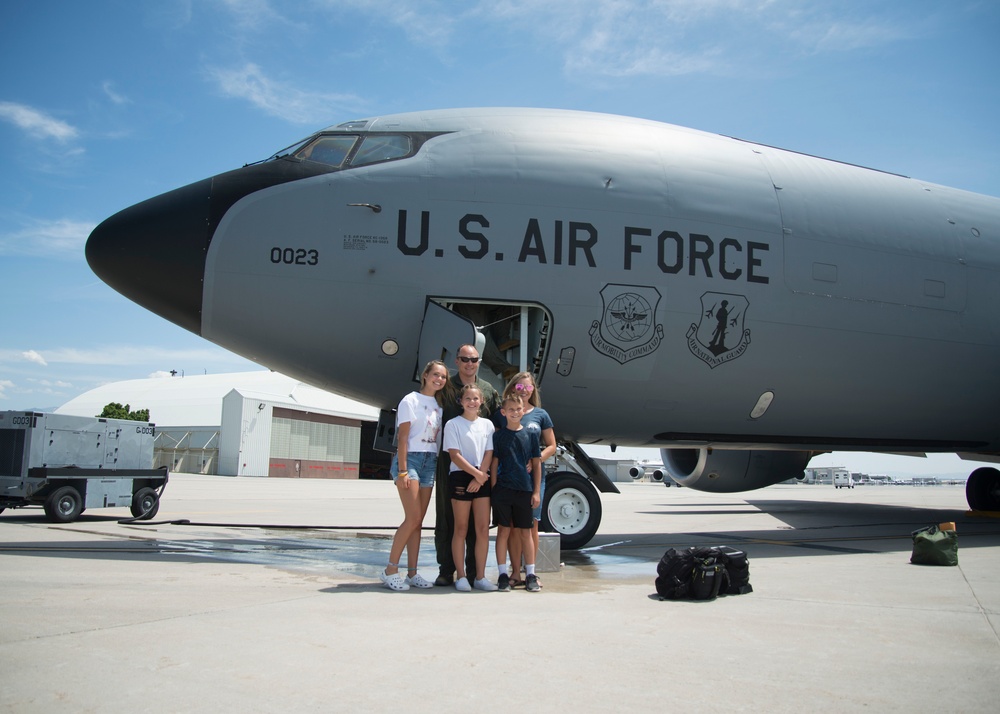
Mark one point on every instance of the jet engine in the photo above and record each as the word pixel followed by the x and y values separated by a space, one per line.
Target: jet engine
pixel 728 471
pixel 656 474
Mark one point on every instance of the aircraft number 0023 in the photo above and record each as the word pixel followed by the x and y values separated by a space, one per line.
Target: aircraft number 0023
pixel 295 256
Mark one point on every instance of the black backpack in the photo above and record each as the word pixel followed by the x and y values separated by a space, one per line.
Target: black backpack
pixel 709 574
pixel 737 569
pixel 673 574
pixel 702 573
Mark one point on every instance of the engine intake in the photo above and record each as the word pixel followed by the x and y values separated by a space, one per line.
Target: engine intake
pixel 727 471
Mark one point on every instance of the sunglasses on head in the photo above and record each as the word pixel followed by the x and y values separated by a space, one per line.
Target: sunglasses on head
pixel 524 388
pixel 468 360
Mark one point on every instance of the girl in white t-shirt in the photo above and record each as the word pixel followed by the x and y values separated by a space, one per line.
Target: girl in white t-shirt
pixel 468 439
pixel 418 436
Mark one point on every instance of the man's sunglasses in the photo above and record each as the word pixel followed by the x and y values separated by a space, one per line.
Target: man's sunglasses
pixel 468 360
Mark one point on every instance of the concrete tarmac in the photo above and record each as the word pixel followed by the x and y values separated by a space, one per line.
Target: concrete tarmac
pixel 245 608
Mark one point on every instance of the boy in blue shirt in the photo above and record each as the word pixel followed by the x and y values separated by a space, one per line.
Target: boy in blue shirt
pixel 516 481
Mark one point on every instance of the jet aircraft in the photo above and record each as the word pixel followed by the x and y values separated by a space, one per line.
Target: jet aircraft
pixel 741 307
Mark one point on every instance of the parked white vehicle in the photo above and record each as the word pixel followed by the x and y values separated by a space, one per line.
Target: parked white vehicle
pixel 843 480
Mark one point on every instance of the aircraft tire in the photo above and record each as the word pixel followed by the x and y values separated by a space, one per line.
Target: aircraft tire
pixel 572 508
pixel 982 490
pixel 64 505
pixel 145 504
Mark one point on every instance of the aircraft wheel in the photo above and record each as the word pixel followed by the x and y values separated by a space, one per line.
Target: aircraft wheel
pixel 63 505
pixel 982 490
pixel 572 508
pixel 145 504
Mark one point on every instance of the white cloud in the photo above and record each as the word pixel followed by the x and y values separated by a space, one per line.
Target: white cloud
pixel 65 367
pixel 605 39
pixel 32 356
pixel 128 355
pixel 427 23
pixel 172 15
pixel 622 38
pixel 60 238
pixel 253 14
pixel 51 384
pixel 834 36
pixel 619 38
pixel 5 384
pixel 282 100
pixel 36 123
pixel 109 89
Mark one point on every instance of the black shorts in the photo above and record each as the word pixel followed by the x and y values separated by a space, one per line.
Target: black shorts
pixel 512 509
pixel 458 481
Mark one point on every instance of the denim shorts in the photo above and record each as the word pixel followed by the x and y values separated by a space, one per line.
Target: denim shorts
pixel 537 512
pixel 419 464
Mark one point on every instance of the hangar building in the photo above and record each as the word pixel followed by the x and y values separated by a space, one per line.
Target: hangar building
pixel 248 424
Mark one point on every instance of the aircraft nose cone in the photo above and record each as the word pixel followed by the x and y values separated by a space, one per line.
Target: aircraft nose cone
pixel 154 253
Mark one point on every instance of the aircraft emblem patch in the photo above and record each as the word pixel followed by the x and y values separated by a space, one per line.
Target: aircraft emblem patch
pixel 627 330
pixel 719 336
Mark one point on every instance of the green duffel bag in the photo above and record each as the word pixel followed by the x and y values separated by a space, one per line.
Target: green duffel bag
pixel 933 546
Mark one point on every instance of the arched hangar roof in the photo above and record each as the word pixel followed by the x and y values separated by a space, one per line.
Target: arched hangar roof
pixel 197 400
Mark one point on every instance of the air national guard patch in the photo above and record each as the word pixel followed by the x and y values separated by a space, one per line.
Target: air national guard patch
pixel 719 336
pixel 628 328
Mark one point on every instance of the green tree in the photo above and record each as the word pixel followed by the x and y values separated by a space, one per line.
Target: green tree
pixel 114 410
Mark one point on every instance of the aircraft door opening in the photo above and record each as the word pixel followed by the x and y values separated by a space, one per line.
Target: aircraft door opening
pixel 442 332
pixel 511 337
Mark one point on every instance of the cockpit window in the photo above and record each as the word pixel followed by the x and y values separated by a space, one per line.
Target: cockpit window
pixel 346 151
pixel 385 147
pixel 330 150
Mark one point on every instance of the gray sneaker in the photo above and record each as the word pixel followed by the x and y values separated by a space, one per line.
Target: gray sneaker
pixel 484 584
pixel 531 584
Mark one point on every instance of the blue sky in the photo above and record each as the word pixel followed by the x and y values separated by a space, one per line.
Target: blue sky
pixel 107 102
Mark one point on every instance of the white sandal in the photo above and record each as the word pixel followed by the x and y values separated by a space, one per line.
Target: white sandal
pixel 393 582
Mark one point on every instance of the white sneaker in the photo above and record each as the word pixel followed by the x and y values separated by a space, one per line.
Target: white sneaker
pixel 417 581
pixel 462 585
pixel 393 582
pixel 484 584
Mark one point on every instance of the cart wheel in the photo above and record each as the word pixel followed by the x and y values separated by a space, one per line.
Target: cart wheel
pixel 145 504
pixel 63 505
